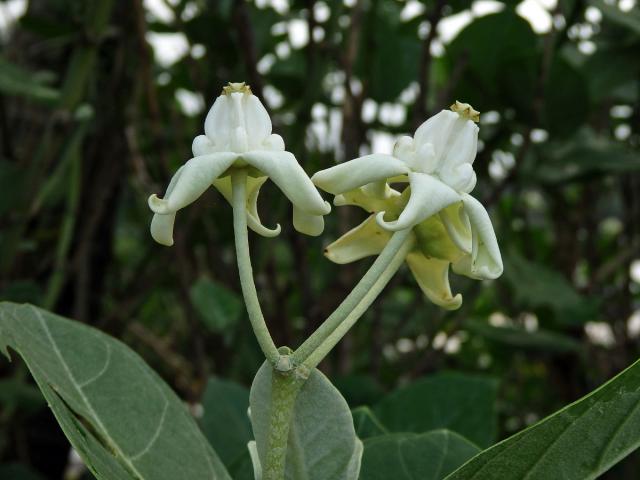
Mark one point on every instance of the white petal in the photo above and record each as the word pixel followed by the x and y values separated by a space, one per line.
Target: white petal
pixel 428 196
pixel 358 172
pixel 223 185
pixel 485 261
pixel 436 130
pixel 162 228
pixel 462 144
pixel 258 123
pixel 362 241
pixel 432 276
pixel 457 225
pixel 283 170
pixel 308 224
pixel 194 178
pixel 202 145
pixel 273 142
pixel 217 125
pixel 162 225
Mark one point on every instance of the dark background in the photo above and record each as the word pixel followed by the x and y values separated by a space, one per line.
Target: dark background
pixel 92 121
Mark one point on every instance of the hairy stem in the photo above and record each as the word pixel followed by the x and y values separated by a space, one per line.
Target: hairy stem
pixel 398 242
pixel 361 307
pixel 239 186
pixel 284 391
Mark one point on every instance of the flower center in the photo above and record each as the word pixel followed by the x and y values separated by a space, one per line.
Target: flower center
pixel 236 88
pixel 466 111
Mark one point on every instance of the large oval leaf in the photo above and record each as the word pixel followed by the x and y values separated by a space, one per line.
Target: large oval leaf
pixel 322 440
pixel 579 442
pixel 412 456
pixel 454 401
pixel 123 420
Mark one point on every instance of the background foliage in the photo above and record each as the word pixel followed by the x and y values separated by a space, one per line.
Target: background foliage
pixel 99 102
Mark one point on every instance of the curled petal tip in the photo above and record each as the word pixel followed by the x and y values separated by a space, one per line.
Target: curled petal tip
pixel 158 205
pixel 392 226
pixel 452 303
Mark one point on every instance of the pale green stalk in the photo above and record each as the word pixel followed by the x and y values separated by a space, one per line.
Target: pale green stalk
pixel 239 186
pixel 362 289
pixel 361 307
pixel 284 392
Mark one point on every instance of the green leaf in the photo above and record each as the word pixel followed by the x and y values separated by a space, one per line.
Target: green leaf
pixel 322 440
pixel 219 307
pixel 389 52
pixel 455 401
pixel 15 80
pixel 366 423
pixel 411 456
pixel 520 338
pixel 535 285
pixel 579 442
pixel 585 154
pixel 499 54
pixel 123 420
pixel 225 421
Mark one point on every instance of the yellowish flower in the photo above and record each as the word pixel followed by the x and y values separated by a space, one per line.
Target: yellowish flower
pixel 449 226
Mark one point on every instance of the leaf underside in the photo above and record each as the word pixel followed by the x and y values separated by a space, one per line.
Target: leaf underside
pixel 122 419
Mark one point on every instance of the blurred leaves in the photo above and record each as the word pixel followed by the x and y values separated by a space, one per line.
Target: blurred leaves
pixel 219 307
pixel 15 80
pixel 520 338
pixel 406 456
pixel 225 421
pixel 536 287
pixel 462 403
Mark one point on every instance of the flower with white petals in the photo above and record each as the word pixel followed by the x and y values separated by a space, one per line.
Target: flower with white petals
pixel 238 136
pixel 449 226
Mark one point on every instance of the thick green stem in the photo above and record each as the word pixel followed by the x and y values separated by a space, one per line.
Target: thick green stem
pixel 362 289
pixel 284 391
pixel 361 307
pixel 239 186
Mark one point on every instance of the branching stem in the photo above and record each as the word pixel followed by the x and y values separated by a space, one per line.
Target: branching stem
pixel 364 289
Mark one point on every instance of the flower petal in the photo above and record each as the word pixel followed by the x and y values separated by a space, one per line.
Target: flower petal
pixel 217 125
pixel 162 228
pixel 362 241
pixel 223 185
pixel 358 172
pixel 257 121
pixel 428 196
pixel 370 199
pixel 162 225
pixel 308 224
pixel 432 276
pixel 485 261
pixel 194 178
pixel 283 169
pixel 457 224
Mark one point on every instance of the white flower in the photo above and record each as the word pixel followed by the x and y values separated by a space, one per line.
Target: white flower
pixel 238 136
pixel 450 227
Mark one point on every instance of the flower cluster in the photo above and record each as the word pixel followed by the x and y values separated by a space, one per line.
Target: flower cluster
pixel 449 226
